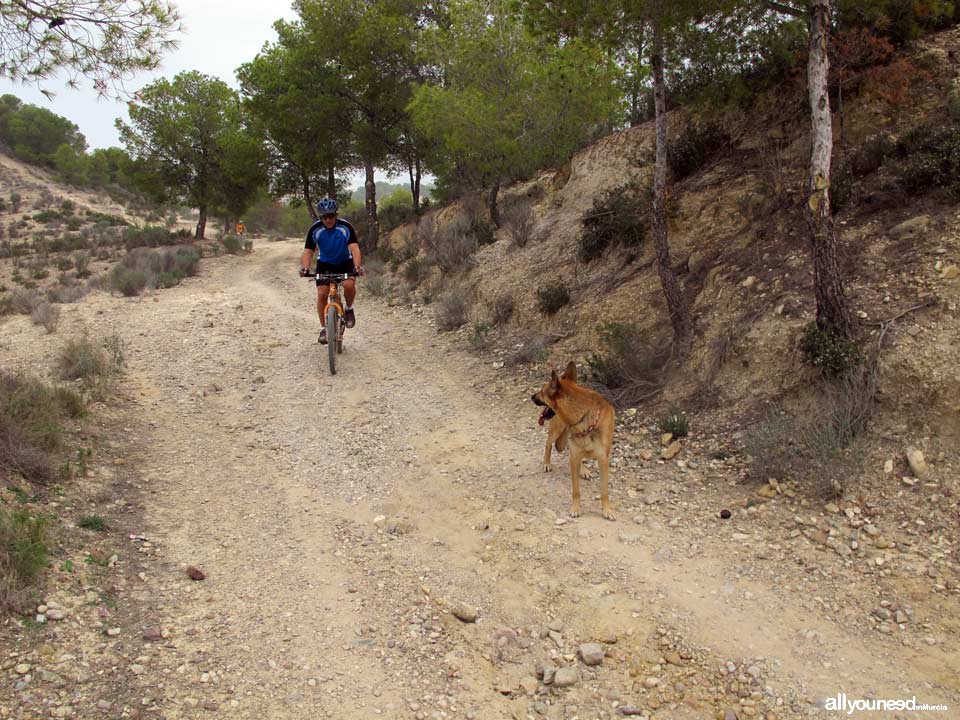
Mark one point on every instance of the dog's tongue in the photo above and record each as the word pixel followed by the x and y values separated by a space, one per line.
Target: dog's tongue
pixel 542 419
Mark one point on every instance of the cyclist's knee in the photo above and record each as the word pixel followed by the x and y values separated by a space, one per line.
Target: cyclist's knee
pixel 349 284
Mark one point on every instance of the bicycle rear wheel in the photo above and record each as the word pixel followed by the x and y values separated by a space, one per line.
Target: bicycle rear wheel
pixel 332 340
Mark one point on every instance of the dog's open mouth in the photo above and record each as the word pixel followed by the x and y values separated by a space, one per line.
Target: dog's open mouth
pixel 545 415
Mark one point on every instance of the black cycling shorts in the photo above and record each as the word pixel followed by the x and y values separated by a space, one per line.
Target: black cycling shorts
pixel 334 268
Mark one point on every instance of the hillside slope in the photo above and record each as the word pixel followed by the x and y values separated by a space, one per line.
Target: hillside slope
pixel 738 241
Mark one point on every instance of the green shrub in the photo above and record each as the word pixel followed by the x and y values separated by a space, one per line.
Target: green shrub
pixel 698 143
pixel 928 157
pixel 92 522
pixel 841 186
pixel 31 425
pixel 23 556
pixel 153 236
pixel 621 217
pixel 142 268
pixel 127 282
pixel 870 156
pixel 233 244
pixel 832 355
pixel 552 296
pixel 676 423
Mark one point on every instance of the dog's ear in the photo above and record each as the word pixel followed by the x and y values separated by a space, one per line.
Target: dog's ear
pixel 554 382
pixel 571 372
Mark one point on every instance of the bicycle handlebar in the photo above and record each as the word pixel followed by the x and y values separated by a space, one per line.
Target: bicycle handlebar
pixel 331 277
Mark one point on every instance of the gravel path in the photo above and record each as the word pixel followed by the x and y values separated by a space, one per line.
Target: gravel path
pixel 383 543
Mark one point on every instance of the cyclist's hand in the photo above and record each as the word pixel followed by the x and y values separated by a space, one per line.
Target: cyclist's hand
pixel 361 272
pixel 303 272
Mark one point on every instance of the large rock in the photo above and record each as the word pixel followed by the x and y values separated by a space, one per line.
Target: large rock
pixel 918 465
pixel 591 653
pixel 696 262
pixel 566 677
pixel 671 451
pixel 919 225
pixel 464 612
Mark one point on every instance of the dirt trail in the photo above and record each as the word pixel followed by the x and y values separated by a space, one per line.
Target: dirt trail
pixel 339 518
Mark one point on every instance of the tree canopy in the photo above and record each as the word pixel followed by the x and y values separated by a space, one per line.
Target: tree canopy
pixel 190 133
pixel 104 41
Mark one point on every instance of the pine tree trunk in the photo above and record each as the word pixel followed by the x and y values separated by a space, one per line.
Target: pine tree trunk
pixel 833 313
pixel 373 225
pixel 331 182
pixel 676 306
pixel 307 198
pixel 415 170
pixel 202 222
pixel 494 210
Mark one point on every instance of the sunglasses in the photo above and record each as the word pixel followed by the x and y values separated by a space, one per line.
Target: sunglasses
pixel 328 216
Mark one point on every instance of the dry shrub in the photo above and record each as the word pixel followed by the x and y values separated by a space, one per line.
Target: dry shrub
pixel 47 315
pixel 452 310
pixel 451 246
pixel 502 307
pixel 530 350
pixel 24 301
pixel 66 294
pixel 820 443
pixel 519 219
pixel 632 367
pixel 89 361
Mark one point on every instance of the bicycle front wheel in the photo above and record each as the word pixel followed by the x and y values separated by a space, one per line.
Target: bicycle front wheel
pixel 332 342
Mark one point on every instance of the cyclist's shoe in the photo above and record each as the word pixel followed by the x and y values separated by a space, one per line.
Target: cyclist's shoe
pixel 323 337
pixel 349 319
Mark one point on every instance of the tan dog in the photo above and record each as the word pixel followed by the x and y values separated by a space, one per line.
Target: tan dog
pixel 584 420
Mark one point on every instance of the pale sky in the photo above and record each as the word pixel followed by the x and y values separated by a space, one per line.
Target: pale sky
pixel 218 37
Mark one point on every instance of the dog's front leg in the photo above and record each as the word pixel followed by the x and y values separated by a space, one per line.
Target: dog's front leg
pixel 576 465
pixel 604 464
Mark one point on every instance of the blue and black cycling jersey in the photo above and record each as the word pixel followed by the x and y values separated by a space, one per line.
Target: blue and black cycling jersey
pixel 331 245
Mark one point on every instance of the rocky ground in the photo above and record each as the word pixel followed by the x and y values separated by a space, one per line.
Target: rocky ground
pixel 287 544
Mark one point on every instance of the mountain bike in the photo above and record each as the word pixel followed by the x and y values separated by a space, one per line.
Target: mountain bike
pixel 332 314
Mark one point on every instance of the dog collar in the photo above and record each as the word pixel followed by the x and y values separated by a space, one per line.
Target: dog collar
pixel 596 421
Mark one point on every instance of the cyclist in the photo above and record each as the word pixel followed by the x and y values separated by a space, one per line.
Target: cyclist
pixel 338 251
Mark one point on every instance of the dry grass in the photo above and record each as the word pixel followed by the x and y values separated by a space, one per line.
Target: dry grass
pixel 819 442
pixel 633 366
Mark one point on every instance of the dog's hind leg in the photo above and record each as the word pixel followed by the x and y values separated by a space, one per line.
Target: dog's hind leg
pixel 576 465
pixel 607 511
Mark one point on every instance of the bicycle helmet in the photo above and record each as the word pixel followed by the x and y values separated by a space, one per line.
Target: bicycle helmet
pixel 327 206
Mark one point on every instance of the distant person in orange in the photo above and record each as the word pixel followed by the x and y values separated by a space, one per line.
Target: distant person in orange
pixel 241 229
